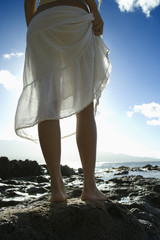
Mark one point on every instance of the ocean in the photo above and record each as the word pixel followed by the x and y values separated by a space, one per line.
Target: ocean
pixel 107 161
pixel 106 170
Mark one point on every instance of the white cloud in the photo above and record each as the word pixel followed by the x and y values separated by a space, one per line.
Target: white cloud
pixel 154 122
pixel 8 80
pixel 130 113
pixel 130 5
pixel 150 111
pixel 10 55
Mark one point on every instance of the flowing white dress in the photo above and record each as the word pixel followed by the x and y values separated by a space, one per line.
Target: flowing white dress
pixel 66 68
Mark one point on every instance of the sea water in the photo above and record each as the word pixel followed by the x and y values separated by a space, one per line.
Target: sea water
pixel 107 170
pixel 106 162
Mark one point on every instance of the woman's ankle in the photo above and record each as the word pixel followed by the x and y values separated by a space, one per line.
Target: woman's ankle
pixel 57 183
pixel 89 186
pixel 58 191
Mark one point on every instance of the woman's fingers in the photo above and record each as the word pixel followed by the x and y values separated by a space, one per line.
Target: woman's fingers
pixel 98 29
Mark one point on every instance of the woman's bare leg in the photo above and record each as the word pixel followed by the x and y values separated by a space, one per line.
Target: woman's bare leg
pixel 50 141
pixel 86 135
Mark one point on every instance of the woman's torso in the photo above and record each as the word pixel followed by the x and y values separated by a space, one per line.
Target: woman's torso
pixel 52 3
pixel 42 2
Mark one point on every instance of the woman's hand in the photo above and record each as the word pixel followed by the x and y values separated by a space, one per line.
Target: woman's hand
pixel 97 23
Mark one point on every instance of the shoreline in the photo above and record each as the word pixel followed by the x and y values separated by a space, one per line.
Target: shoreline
pixel 21 181
pixel 131 212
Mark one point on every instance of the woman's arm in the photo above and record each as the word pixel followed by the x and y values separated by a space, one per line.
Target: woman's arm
pixel 98 22
pixel 30 9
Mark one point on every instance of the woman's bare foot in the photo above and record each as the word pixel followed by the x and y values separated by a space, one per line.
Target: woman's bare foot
pixel 93 195
pixel 58 192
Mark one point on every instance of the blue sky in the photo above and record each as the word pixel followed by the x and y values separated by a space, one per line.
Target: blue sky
pixel 128 118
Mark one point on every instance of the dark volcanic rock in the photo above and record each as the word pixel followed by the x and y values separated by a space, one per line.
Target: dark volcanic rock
pixel 4 167
pixel 135 214
pixel 147 167
pixel 72 220
pixel 141 196
pixel 14 168
pixel 146 189
pixel 67 171
pixel 42 179
pixel 150 167
pixel 80 170
pixel 9 203
pixel 36 190
pixel 122 172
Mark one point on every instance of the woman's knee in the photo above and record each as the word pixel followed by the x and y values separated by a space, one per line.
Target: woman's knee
pixel 48 123
pixel 86 112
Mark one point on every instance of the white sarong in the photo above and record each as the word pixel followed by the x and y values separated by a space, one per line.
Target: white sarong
pixel 66 68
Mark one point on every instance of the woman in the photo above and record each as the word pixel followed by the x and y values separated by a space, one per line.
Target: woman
pixel 66 68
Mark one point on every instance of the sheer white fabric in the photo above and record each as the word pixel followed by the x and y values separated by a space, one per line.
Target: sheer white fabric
pixel 66 67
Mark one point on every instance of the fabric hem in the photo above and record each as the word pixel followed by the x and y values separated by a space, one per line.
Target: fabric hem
pixel 47 119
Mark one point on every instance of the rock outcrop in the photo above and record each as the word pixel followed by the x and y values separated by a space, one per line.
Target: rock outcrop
pixel 72 220
pixel 131 213
pixel 14 168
